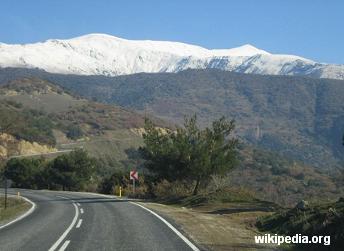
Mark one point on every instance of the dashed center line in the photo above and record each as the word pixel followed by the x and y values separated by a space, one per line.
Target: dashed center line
pixel 65 245
pixel 63 236
pixel 81 210
pixel 78 204
pixel 79 223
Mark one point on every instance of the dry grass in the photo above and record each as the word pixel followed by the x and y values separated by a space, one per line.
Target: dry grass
pixel 15 207
pixel 226 226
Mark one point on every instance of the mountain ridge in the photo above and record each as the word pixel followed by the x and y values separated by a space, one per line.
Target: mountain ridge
pixel 101 54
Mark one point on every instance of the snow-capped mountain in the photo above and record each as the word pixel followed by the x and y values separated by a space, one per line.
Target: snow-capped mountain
pixel 100 54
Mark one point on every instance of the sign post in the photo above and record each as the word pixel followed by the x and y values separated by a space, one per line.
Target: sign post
pixel 133 186
pixel 5 192
pixel 134 176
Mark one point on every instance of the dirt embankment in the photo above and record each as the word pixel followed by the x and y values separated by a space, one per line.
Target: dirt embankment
pixel 10 146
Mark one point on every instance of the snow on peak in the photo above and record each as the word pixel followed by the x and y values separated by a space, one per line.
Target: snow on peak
pixel 177 48
pixel 102 54
pixel 244 51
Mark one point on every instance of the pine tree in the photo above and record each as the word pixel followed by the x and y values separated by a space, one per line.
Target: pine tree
pixel 190 153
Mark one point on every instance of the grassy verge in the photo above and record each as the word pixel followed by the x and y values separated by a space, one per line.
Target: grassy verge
pixel 223 220
pixel 15 207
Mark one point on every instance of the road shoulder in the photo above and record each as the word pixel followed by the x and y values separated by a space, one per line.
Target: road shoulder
pixel 17 209
pixel 214 229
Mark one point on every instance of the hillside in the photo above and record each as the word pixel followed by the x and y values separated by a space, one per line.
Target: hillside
pixel 102 54
pixel 301 118
pixel 272 177
pixel 39 117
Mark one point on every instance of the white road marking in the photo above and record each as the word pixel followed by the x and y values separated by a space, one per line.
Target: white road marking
pixel 81 210
pixel 79 223
pixel 58 242
pixel 78 204
pixel 33 207
pixel 180 235
pixel 65 245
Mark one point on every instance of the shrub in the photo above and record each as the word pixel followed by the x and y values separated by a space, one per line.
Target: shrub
pixel 315 219
pixel 141 189
pixel 171 190
pixel 74 132
pixel 109 184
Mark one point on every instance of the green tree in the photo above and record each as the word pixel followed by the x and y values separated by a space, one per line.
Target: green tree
pixel 190 152
pixel 25 173
pixel 71 171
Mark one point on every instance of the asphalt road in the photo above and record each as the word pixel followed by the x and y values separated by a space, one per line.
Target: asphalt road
pixel 76 221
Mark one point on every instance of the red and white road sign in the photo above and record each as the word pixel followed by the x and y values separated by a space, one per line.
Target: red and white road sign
pixel 134 175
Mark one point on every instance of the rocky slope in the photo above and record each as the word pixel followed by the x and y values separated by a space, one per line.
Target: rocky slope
pixel 10 146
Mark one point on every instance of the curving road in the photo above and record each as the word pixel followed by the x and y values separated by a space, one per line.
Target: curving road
pixel 80 221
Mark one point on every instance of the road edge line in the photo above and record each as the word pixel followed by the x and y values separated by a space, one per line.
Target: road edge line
pixel 66 232
pixel 27 213
pixel 180 235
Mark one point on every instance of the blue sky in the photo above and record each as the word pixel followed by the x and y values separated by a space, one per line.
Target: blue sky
pixel 309 28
